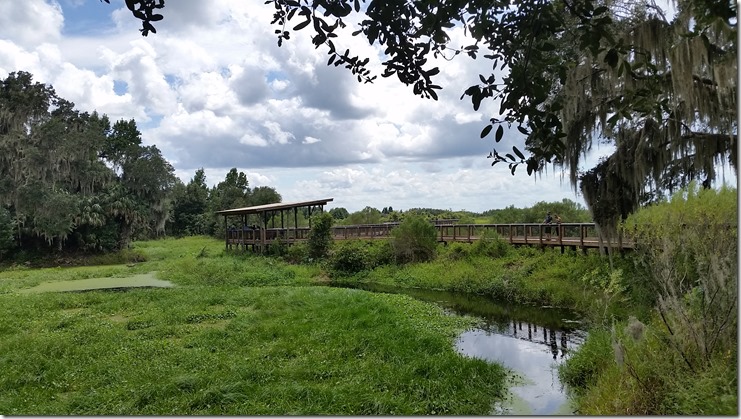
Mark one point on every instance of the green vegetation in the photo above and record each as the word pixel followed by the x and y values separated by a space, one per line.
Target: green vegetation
pixel 521 275
pixel 662 324
pixel 682 359
pixel 74 183
pixel 221 343
pixel 414 240
pixel 320 237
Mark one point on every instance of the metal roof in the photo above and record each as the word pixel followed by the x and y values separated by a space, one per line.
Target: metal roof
pixel 273 207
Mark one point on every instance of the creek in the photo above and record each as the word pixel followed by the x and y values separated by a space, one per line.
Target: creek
pixel 530 341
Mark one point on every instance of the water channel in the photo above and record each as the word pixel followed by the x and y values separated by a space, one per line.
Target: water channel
pixel 531 341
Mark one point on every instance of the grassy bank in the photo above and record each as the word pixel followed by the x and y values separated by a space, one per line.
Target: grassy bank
pixel 238 336
pixel 682 359
pixel 521 275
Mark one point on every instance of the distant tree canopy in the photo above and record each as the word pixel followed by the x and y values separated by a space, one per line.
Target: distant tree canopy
pixel 568 73
pixel 69 180
pixel 569 211
pixel 68 176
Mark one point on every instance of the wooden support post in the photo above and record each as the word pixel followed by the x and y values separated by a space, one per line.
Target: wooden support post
pixel 226 233
pixel 264 232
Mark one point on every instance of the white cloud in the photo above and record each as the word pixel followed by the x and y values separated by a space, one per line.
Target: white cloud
pixel 212 89
pixel 29 23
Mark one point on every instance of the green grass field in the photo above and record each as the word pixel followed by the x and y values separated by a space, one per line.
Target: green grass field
pixel 238 335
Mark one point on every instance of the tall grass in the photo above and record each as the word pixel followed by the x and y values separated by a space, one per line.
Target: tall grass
pixel 520 275
pixel 682 359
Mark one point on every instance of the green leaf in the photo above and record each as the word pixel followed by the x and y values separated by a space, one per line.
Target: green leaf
pixel 302 25
pixel 500 133
pixel 487 129
pixel 611 58
pixel 518 152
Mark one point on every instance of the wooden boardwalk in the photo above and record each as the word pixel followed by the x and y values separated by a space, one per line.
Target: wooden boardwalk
pixel 574 235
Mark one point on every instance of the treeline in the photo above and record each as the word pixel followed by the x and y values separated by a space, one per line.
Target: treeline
pixel 570 212
pixel 72 180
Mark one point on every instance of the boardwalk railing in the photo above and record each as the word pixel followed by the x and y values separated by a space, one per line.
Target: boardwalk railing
pixel 574 235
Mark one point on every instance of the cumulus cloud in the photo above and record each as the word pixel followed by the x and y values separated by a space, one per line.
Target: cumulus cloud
pixel 212 89
pixel 30 23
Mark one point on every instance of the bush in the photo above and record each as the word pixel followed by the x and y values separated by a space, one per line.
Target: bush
pixel 350 257
pixel 689 244
pixel 277 247
pixel 414 240
pixel 491 244
pixel 458 251
pixel 320 237
pixel 380 252
pixel 297 253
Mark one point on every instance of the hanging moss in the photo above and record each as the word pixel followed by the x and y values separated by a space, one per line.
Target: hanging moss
pixel 669 107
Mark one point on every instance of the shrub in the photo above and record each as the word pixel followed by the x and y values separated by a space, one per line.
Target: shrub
pixel 414 240
pixel 298 253
pixel 689 244
pixel 320 237
pixel 277 247
pixel 491 244
pixel 458 251
pixel 350 257
pixel 380 252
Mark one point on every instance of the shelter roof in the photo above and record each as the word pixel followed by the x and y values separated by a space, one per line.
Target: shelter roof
pixel 273 207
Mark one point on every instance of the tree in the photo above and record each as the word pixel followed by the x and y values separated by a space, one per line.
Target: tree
pixel 660 89
pixel 320 237
pixel 66 175
pixel 140 199
pixel 263 195
pixel 6 232
pixel 190 205
pixel 339 213
pixel 48 159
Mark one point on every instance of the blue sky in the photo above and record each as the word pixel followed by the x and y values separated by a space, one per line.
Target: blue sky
pixel 212 89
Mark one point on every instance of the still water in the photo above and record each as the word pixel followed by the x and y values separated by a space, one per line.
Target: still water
pixel 531 341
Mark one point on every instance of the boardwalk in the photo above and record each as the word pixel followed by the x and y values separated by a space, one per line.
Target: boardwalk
pixel 573 235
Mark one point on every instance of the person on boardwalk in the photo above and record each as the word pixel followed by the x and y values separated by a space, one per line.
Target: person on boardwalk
pixel 558 225
pixel 548 221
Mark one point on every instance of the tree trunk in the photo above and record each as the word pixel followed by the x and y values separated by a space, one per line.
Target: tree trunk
pixel 124 237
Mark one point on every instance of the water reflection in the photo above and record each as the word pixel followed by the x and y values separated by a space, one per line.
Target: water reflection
pixel 533 341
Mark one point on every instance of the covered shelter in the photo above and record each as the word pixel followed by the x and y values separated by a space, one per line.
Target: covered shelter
pixel 238 233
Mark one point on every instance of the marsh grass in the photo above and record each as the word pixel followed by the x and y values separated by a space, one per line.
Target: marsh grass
pixel 239 335
pixel 236 351
pixel 520 275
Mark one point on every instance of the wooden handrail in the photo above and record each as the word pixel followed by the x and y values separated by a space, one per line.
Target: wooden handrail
pixel 562 236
